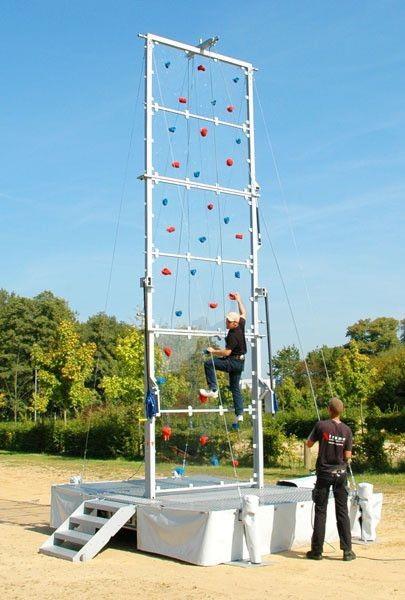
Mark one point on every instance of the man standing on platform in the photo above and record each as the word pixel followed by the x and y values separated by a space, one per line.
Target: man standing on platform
pixel 231 359
pixel 335 450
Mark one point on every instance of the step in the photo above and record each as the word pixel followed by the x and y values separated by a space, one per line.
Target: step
pixel 107 505
pixel 73 536
pixel 59 552
pixel 88 520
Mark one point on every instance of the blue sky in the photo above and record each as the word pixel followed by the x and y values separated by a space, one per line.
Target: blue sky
pixel 331 81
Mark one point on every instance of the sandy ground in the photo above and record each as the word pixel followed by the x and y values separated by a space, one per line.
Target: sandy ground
pixel 121 572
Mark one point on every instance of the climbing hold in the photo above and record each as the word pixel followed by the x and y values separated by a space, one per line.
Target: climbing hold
pixel 213 102
pixel 231 296
pixel 166 271
pixel 226 220
pixel 193 271
pixel 237 274
pixel 165 201
pixel 200 68
pixel 166 432
pixel 176 164
pixel 214 461
pixel 183 100
pixel 235 463
pixel 230 108
pixel 238 141
pixel 203 399
pixel 239 236
pixel 172 129
pixel 167 64
pixel 213 304
pixel 210 206
pixel 196 173
pixel 167 351
pixel 229 162
pixel 204 440
pixel 235 79
pixel 202 239
pixel 170 229
pixel 161 380
pixel 178 313
pixel 204 131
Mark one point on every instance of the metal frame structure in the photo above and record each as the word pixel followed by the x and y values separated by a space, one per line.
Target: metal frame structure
pixel 251 194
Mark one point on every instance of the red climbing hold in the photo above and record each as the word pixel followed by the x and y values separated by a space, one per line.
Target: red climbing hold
pixel 210 206
pixel 204 131
pixel 239 236
pixel 167 351
pixel 235 463
pixel 213 304
pixel 203 399
pixel 200 68
pixel 204 440
pixel 232 296
pixel 166 432
pixel 166 271
pixel 230 108
pixel 176 164
pixel 170 229
pixel 229 162
pixel 183 100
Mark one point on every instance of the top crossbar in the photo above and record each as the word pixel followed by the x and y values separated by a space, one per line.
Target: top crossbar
pixel 157 39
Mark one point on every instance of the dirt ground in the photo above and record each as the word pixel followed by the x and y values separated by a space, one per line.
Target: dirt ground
pixel 122 572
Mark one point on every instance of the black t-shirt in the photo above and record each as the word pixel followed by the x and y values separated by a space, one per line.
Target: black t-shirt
pixel 334 438
pixel 235 339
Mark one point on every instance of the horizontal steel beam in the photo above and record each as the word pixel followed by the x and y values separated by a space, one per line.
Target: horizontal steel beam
pixel 220 486
pixel 157 39
pixel 218 260
pixel 189 115
pixel 187 183
pixel 196 332
pixel 190 410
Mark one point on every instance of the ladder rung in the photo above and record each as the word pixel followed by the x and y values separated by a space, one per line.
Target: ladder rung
pixel 73 536
pixel 107 505
pixel 88 520
pixel 59 552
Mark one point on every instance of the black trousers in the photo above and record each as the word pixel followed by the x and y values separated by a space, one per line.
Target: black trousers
pixel 320 497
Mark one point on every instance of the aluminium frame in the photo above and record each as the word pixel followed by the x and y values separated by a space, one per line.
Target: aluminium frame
pixel 251 193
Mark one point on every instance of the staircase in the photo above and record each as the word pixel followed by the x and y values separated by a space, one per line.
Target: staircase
pixel 86 532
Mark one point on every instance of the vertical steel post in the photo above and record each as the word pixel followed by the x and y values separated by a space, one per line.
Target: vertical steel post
pixel 258 462
pixel 150 449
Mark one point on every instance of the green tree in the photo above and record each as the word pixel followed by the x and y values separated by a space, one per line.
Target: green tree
pixel 374 336
pixel 356 379
pixel 286 363
pixel 104 331
pixel 63 369
pixel 390 368
pixel 126 385
pixel 402 331
pixel 288 395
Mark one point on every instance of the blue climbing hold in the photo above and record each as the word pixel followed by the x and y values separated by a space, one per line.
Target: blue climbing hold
pixel 193 272
pixel 165 201
pixel 214 461
pixel 196 173
pixel 180 471
pixel 238 141
pixel 235 79
pixel 237 274
pixel 172 129
pixel 178 313
pixel 226 220
pixel 202 239
pixel 213 102
pixel 161 380
pixel 167 64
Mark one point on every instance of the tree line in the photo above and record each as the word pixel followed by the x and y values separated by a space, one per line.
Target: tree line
pixel 53 365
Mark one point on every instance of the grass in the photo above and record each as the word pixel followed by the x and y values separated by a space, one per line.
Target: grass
pixel 123 469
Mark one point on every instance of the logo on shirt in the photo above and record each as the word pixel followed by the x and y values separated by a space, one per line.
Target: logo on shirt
pixel 335 440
